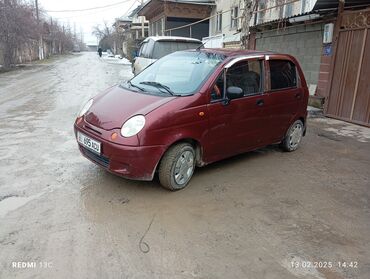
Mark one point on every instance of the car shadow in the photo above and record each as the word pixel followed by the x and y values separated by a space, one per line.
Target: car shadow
pixel 231 162
pixel 107 197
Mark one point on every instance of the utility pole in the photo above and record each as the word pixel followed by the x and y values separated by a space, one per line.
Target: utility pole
pixel 6 49
pixel 41 44
pixel 81 35
pixel 52 36
pixel 61 43
pixel 142 22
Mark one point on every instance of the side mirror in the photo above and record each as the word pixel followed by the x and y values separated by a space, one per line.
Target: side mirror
pixel 234 92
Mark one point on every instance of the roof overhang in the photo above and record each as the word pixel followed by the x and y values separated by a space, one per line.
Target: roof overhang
pixel 333 4
pixel 152 4
pixel 316 10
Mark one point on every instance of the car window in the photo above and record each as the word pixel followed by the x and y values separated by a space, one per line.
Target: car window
pixel 188 45
pixel 217 92
pixel 247 75
pixel 163 48
pixel 283 74
pixel 143 50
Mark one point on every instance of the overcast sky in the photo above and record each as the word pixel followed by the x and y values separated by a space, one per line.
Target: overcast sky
pixel 87 19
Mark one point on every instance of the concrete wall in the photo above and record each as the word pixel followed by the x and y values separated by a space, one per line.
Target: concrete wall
pixel 303 42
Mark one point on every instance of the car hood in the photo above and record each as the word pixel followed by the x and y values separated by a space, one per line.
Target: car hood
pixel 112 108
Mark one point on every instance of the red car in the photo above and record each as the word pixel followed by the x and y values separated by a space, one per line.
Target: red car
pixel 192 108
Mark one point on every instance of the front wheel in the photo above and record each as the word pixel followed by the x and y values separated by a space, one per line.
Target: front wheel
pixel 293 137
pixel 177 166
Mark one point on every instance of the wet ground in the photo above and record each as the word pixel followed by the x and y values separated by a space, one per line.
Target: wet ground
pixel 265 214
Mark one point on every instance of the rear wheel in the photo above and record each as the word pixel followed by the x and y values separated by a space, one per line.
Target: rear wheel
pixel 293 137
pixel 177 166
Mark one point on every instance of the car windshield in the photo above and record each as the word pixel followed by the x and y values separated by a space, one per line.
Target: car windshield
pixel 180 73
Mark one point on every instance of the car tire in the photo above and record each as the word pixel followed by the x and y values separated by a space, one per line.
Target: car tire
pixel 293 137
pixel 177 166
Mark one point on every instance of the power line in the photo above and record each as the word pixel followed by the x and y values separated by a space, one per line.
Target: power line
pixel 66 18
pixel 129 9
pixel 88 9
pixel 88 14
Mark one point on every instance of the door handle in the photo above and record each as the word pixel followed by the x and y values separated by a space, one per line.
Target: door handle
pixel 260 102
pixel 298 96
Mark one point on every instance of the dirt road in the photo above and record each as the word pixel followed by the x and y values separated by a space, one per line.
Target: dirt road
pixel 265 214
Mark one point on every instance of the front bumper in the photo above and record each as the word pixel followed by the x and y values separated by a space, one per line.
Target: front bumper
pixel 132 162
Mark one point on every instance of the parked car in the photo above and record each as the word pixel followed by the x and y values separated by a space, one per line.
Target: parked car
pixel 153 48
pixel 110 53
pixel 192 108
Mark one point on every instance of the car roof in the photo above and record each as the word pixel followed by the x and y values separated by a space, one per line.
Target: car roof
pixel 171 38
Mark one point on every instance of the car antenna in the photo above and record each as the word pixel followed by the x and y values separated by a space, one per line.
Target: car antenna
pixel 202 45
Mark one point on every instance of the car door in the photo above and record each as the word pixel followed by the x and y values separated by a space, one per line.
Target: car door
pixel 284 95
pixel 237 125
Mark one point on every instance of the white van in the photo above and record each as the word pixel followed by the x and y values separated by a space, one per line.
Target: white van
pixel 153 48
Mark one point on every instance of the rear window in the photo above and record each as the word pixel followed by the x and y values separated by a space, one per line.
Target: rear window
pixel 144 50
pixel 283 74
pixel 162 48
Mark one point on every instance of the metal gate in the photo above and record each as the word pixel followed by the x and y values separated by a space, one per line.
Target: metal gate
pixel 349 95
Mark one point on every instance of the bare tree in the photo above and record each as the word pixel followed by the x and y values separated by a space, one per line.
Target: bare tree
pixel 17 26
pixel 248 7
pixel 258 7
pixel 108 37
pixel 19 32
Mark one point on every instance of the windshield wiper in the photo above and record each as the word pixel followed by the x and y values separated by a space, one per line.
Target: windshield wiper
pixel 158 85
pixel 133 85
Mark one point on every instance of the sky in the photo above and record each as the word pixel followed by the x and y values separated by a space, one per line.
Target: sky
pixel 85 20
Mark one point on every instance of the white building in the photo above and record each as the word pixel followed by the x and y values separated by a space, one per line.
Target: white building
pixel 271 10
pixel 224 25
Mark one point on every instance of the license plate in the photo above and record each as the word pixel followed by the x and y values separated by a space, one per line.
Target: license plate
pixel 89 143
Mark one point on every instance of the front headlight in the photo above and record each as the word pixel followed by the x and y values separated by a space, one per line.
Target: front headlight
pixel 85 108
pixel 133 126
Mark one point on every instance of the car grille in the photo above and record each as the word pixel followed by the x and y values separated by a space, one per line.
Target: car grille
pixel 99 159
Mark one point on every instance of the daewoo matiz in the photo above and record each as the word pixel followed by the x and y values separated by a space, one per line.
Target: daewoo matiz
pixel 192 108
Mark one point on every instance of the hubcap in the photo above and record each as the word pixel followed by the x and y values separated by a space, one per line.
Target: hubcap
pixel 184 167
pixel 295 135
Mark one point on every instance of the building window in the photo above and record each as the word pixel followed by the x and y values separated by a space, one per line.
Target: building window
pixel 157 27
pixel 234 18
pixel 163 26
pixel 219 22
